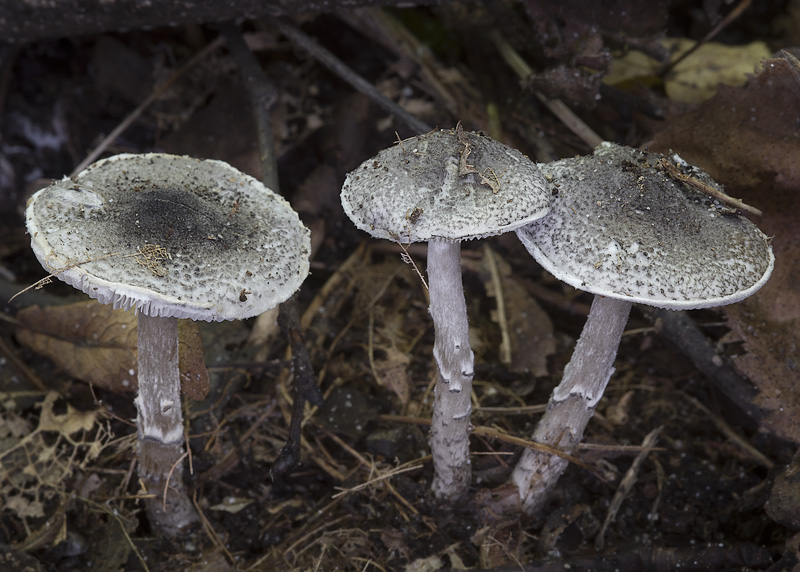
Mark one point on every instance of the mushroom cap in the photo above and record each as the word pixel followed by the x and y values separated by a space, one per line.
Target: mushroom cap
pixel 448 184
pixel 170 236
pixel 621 226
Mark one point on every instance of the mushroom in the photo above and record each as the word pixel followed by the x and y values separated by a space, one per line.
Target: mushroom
pixel 444 187
pixel 170 237
pixel 630 227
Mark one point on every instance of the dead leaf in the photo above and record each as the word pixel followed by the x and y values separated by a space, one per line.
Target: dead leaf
pixel 392 373
pixel 67 423
pixel 24 507
pixel 394 542
pixel 191 361
pixel 88 340
pixel 429 564
pixel 529 327
pixel 696 78
pixel 97 344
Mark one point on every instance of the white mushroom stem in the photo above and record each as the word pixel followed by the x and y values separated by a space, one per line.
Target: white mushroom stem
pixel 450 425
pixel 573 402
pixel 160 423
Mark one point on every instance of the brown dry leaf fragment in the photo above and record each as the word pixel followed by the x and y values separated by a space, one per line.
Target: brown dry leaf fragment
pixel 97 344
pixel 24 507
pixel 88 340
pixel 394 542
pixel 529 327
pixel 13 426
pixel 771 360
pixel 393 373
pixel 113 544
pixel 194 375
pixel 429 564
pixel 67 423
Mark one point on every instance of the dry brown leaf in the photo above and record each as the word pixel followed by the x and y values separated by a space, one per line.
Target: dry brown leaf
pixel 97 344
pixel 67 423
pixel 24 507
pixel 529 327
pixel 192 363
pixel 88 340
pixel 393 373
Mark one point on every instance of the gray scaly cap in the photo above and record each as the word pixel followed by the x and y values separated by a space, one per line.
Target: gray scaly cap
pixel 190 238
pixel 448 184
pixel 622 226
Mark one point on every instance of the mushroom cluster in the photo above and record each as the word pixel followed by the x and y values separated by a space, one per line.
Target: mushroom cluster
pixel 630 227
pixel 170 237
pixel 441 188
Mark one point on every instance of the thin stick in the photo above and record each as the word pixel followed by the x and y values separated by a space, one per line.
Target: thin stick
pixel 210 532
pixel 735 13
pixel 371 467
pixel 626 485
pixel 26 372
pixel 499 300
pixel 556 107
pixel 341 69
pixel 154 95
pixel 169 476
pixel 384 476
pixel 263 96
pixel 493 433
pixel 726 430
pixel 699 185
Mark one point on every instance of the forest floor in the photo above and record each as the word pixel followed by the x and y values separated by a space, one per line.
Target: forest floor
pixel 360 497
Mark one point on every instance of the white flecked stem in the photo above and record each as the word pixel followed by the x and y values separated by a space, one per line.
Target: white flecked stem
pixel 450 425
pixel 160 424
pixel 573 402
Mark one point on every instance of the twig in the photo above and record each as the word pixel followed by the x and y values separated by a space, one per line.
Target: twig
pixel 499 299
pixel 556 107
pixel 674 172
pixel 493 433
pixel 732 15
pixel 154 95
pixel 371 467
pixel 26 372
pixel 381 27
pixel 341 69
pixel 305 387
pixel 263 96
pixel 726 430
pixel 681 330
pixel 116 516
pixel 384 476
pixel 210 532
pixel 626 485
pixel 169 476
